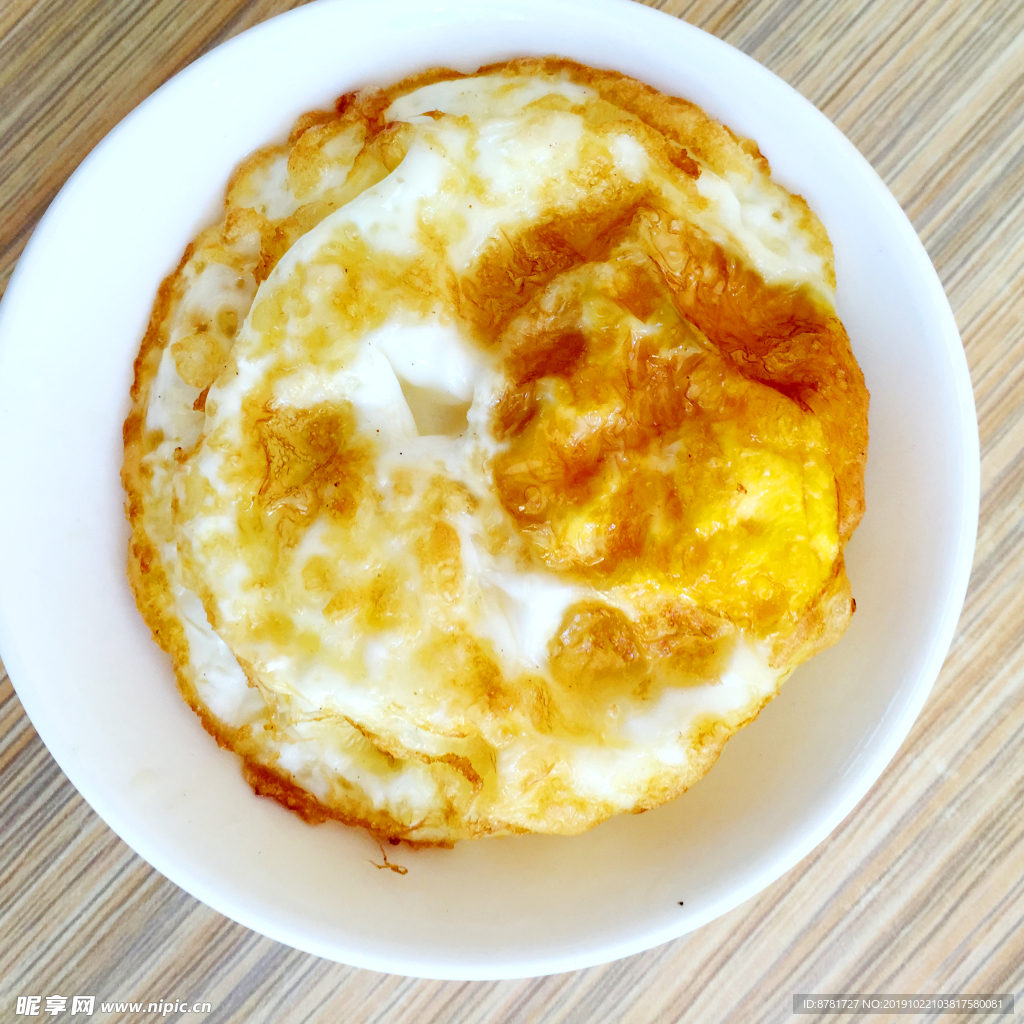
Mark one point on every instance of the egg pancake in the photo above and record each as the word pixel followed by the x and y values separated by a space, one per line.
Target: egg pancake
pixel 492 459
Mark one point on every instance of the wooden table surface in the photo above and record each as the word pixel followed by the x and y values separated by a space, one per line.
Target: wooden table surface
pixel 921 889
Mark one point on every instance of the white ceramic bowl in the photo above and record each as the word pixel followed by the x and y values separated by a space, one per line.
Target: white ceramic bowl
pixel 101 694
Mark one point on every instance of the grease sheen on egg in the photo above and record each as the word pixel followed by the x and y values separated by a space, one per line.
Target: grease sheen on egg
pixel 491 461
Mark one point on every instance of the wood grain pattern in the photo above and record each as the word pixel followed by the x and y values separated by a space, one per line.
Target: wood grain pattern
pixel 922 887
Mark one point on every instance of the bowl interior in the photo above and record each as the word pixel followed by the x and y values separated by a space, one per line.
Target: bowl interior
pixel 102 696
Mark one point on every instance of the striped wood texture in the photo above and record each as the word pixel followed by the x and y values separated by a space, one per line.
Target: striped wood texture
pixel 921 888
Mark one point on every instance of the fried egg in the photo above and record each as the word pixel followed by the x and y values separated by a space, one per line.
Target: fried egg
pixel 491 461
